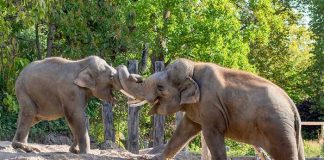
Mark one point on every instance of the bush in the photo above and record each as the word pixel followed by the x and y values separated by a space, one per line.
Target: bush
pixel 237 149
pixel 313 149
pixel 8 115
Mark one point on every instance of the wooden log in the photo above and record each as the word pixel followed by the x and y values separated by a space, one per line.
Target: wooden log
pixel 108 119
pixel 133 117
pixel 312 123
pixel 158 120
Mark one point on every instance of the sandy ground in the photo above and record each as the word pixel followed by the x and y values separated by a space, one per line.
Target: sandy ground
pixel 61 152
pixel 51 152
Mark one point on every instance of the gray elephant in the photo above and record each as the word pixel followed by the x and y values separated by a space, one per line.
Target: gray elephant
pixel 56 87
pixel 221 103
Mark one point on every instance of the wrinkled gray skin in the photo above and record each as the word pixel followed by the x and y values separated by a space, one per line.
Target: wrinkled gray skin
pixel 55 87
pixel 221 102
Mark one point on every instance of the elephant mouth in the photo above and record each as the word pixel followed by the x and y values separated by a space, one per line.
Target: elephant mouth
pixel 156 102
pixel 136 102
pixel 155 105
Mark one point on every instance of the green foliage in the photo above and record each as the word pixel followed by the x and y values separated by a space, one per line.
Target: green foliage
pixel 313 149
pixel 195 145
pixel 7 123
pixel 11 103
pixel 93 112
pixel 316 9
pixel 237 149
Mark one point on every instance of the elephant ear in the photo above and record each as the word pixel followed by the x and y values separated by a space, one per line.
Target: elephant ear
pixel 190 92
pixel 85 78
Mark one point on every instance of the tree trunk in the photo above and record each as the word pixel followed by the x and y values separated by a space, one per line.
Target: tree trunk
pixel 133 117
pixel 38 50
pixel 2 67
pixel 158 120
pixel 50 39
pixel 143 63
pixel 108 119
pixel 161 39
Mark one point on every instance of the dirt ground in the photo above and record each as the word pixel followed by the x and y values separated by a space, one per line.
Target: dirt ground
pixel 61 152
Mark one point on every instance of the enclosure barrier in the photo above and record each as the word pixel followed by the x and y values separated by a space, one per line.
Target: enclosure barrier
pixel 321 135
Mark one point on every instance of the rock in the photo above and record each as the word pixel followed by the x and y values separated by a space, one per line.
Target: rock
pixel 109 145
pixel 156 150
pixel 53 138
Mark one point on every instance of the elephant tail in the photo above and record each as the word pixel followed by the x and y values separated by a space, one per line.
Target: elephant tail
pixel 299 138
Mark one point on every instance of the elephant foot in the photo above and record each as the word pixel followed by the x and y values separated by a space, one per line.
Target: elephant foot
pixel 152 157
pixel 24 147
pixel 74 150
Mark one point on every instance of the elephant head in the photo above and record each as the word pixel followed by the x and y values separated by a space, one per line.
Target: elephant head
pixel 167 91
pixel 99 77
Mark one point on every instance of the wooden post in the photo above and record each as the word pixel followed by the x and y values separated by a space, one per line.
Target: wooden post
pixel 133 117
pixel 108 119
pixel 158 120
pixel 321 137
pixel 205 153
pixel 143 62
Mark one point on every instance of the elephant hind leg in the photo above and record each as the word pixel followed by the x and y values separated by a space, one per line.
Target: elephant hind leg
pixel 27 118
pixel 261 153
pixel 280 142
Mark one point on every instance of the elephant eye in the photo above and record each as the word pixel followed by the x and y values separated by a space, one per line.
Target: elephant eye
pixel 111 76
pixel 160 87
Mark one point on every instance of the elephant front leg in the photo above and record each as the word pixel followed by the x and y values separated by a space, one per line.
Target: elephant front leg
pixel 186 130
pixel 77 123
pixel 215 142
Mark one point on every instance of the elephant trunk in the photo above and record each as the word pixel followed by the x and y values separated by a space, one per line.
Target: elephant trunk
pixel 132 86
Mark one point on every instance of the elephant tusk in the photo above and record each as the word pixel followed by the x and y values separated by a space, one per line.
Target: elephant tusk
pixel 127 94
pixel 138 104
pixel 134 101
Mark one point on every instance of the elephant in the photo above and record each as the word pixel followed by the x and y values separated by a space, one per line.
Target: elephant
pixel 221 103
pixel 55 87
